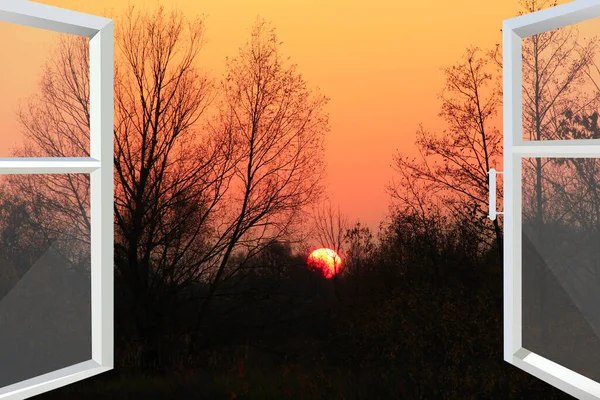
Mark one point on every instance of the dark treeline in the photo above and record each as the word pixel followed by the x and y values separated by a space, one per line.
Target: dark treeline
pixel 215 183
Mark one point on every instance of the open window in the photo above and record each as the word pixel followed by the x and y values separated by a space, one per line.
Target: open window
pixel 56 279
pixel 551 225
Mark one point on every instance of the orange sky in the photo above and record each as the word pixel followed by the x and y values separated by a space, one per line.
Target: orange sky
pixel 379 62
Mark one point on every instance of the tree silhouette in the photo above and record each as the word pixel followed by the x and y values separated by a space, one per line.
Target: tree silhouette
pixel 55 123
pixel 359 254
pixel 167 182
pixel 330 227
pixel 195 198
pixel 277 124
pixel 558 67
pixel 453 165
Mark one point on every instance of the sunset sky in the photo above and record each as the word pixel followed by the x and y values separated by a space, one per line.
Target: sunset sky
pixel 379 62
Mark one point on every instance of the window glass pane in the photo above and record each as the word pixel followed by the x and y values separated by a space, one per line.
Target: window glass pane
pixel 560 91
pixel 561 261
pixel 44 101
pixel 45 304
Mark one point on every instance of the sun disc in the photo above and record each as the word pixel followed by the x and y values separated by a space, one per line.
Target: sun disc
pixel 326 260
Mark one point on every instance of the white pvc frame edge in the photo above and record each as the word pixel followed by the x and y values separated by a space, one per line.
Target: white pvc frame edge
pixel 99 165
pixel 37 15
pixel 513 31
pixel 53 380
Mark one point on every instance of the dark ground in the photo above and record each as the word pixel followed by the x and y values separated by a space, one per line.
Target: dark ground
pixel 416 321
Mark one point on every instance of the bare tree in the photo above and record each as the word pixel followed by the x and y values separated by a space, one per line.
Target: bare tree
pixel 168 181
pixel 557 70
pixel 278 126
pixel 55 123
pixel 185 204
pixel 453 165
pixel 330 227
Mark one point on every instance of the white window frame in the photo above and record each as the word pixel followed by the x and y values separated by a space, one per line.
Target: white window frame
pixel 515 149
pixel 99 165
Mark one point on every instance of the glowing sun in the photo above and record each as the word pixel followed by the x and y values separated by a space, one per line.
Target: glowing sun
pixel 326 260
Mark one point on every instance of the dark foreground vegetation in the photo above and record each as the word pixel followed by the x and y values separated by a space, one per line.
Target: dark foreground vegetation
pixel 417 317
